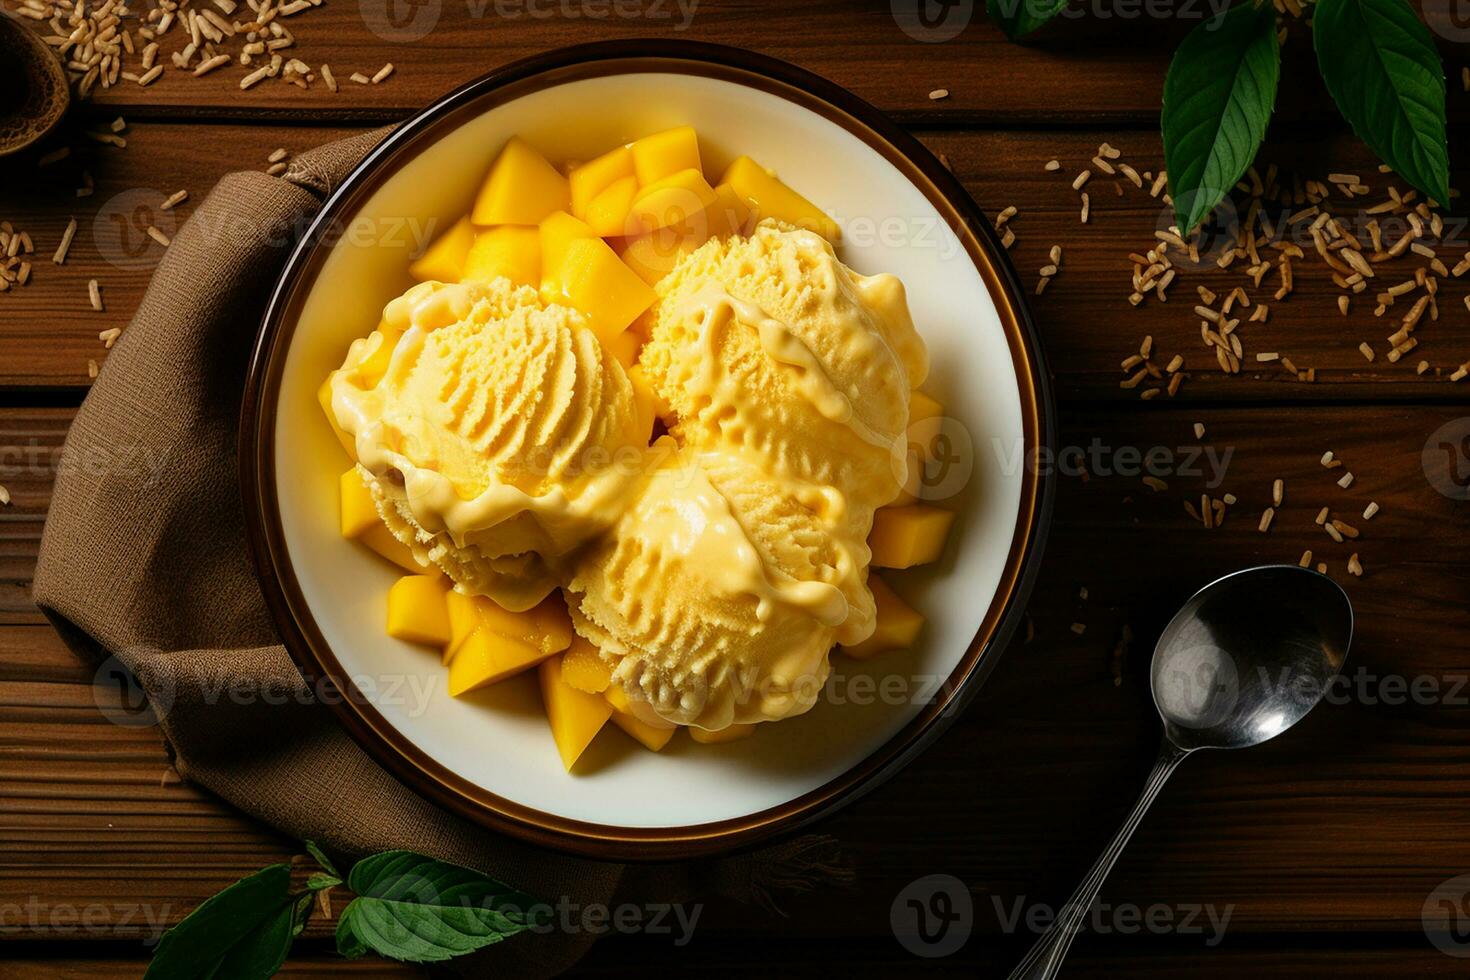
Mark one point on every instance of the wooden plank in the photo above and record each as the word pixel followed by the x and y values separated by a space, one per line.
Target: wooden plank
pixel 48 331
pixel 1345 825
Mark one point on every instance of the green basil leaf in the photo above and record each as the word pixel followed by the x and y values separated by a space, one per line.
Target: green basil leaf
pixel 317 881
pixel 1218 98
pixel 1020 17
pixel 242 933
pixel 1381 67
pixel 320 857
pixel 414 908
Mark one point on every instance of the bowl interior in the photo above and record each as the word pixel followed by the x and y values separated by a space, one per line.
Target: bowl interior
pixel 498 739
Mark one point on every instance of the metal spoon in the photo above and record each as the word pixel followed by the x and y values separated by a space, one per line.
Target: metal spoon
pixel 1245 659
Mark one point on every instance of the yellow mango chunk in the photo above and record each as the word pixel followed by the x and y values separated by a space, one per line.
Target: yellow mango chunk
pixel 583 667
pixel 625 347
pixel 512 251
pixel 731 733
pixel 923 409
pixel 521 188
pixel 768 197
pixel 673 150
pixel 595 176
pixel 417 611
pixel 675 200
pixel 650 404
pixel 898 623
pixel 596 283
pixel 546 626
pixel 486 657
pixel 324 398
pixel 460 609
pixel 557 233
pixel 655 254
pixel 729 214
pixel 607 213
pixel 910 535
pixel 653 737
pixel 575 716
pixel 444 258
pixel 922 406
pixel 360 523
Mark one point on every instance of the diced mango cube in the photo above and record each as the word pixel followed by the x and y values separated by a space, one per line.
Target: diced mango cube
pixel 582 667
pixel 926 416
pixel 607 213
pixel 381 541
pixel 673 201
pixel 651 405
pixel 546 626
pixel 444 258
pixel 595 176
pixel 324 398
pixel 653 737
pixel 910 535
pixel 462 621
pixel 575 716
pixel 360 522
pixel 655 254
pixel 557 233
pixel 898 624
pixel 417 612
pixel 668 152
pixel 768 197
pixel 487 657
pixel 729 214
pixel 625 347
pixel 512 251
pixel 521 188
pixel 922 406
pixel 730 733
pixel 595 282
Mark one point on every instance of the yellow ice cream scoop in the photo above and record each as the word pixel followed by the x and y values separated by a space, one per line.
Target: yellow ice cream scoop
pixel 497 433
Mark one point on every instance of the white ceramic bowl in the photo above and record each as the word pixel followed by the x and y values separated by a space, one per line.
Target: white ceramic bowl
pixel 490 755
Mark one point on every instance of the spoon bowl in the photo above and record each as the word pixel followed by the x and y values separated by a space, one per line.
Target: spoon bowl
pixel 1249 655
pixel 33 88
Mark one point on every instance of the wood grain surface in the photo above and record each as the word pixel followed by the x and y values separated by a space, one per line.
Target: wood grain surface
pixel 1322 848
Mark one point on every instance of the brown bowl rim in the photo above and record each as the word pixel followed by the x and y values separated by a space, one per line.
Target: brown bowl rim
pixel 298 628
pixel 45 57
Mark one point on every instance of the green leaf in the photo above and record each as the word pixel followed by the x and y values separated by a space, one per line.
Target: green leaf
pixel 414 908
pixel 242 933
pixel 318 881
pixel 1020 17
pixel 1380 65
pixel 1218 98
pixel 320 857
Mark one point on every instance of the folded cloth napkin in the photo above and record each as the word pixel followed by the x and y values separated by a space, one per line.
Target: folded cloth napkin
pixel 143 559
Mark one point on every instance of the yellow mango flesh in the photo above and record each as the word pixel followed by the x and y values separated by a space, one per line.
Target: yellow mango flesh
pixel 607 214
pixel 556 235
pixel 913 534
pixel 486 657
pixel 324 398
pixel 444 259
pixel 923 427
pixel 898 624
pixel 546 626
pixel 729 214
pixel 625 347
pixel 360 523
pixel 768 197
pixel 575 716
pixel 595 176
pixel 512 251
pixel 922 406
pixel 653 737
pixel 596 283
pixel 733 733
pixel 583 667
pixel 417 612
pixel 668 152
pixel 651 405
pixel 675 200
pixel 654 255
pixel 521 189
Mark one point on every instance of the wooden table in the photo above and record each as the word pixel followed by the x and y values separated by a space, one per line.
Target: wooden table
pixel 1322 847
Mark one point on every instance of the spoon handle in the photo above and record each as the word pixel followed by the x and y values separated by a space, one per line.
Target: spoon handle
pixel 1044 960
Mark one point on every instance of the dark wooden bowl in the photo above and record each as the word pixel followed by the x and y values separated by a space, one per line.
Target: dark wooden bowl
pixel 33 88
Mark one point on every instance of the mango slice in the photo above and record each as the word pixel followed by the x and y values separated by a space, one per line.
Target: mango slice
pixel 668 152
pixel 655 254
pixel 595 282
pixel 651 405
pixel 556 234
pixel 595 176
pixel 486 658
pixel 729 215
pixel 512 251
pixel 625 347
pixel 575 716
pixel 922 406
pixel 768 197
pixel 360 523
pixel 898 623
pixel 546 626
pixel 731 733
pixel 583 667
pixel 417 612
pixel 913 534
pixel 653 737
pixel 521 188
pixel 444 258
pixel 922 409
pixel 324 399
pixel 607 213
pixel 674 200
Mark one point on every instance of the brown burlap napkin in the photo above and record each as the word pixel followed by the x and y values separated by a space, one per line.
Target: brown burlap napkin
pixel 144 559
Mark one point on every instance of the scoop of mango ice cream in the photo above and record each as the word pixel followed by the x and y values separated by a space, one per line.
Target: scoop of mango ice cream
pixel 720 592
pixel 771 344
pixel 497 433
